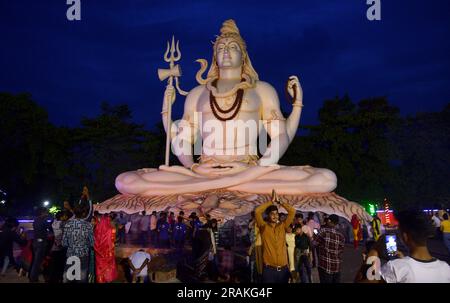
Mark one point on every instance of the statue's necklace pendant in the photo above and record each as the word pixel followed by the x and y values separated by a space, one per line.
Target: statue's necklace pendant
pixel 228 101
pixel 234 109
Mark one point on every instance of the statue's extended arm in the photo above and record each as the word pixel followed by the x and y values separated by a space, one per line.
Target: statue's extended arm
pixel 274 124
pixel 169 97
pixel 187 130
pixel 295 91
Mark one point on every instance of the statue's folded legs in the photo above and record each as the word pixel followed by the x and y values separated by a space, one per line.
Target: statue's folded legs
pixel 255 179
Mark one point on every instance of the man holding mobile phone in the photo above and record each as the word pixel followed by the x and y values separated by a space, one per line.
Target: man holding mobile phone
pixel 420 266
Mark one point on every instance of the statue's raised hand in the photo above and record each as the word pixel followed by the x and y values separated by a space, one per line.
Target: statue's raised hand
pixel 169 96
pixel 294 89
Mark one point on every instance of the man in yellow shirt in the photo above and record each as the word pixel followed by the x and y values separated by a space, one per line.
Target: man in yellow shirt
pixel 273 236
pixel 445 228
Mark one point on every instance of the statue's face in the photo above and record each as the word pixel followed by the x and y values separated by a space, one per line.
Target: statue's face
pixel 228 53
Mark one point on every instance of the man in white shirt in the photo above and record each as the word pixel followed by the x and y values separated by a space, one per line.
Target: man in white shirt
pixel 138 262
pixel 411 270
pixel 420 266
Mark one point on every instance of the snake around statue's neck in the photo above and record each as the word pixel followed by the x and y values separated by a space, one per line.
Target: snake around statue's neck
pixel 234 109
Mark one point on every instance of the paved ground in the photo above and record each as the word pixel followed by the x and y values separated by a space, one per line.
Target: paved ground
pixel 351 263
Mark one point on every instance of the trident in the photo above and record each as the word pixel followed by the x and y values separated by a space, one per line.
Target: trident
pixel 174 71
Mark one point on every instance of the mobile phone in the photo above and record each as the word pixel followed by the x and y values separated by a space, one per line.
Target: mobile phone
pixel 391 245
pixel 315 231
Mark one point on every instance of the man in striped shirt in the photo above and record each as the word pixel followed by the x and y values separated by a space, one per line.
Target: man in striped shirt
pixel 330 243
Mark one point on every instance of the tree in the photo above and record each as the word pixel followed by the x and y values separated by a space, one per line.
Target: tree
pixel 353 141
pixel 32 150
pixel 423 143
pixel 106 146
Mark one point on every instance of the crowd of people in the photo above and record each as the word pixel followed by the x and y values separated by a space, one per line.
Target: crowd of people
pixel 286 248
pixel 283 248
pixel 77 235
pixel 413 265
pixel 440 222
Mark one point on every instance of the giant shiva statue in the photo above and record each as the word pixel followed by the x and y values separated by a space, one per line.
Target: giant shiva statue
pixel 226 118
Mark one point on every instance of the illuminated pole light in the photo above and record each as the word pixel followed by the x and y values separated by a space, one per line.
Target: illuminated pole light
pixel 2 202
pixel 386 211
pixel 372 210
pixel 46 203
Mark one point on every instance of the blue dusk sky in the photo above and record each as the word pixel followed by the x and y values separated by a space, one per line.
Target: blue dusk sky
pixel 114 52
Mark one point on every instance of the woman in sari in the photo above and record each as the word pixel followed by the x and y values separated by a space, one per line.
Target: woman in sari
pixel 104 243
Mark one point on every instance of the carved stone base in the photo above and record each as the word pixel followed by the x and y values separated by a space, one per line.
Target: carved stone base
pixel 226 205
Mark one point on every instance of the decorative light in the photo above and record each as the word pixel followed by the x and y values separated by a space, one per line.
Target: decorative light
pixel 371 209
pixel 386 211
pixel 54 209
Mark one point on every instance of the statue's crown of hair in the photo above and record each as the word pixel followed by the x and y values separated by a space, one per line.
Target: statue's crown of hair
pixel 230 30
